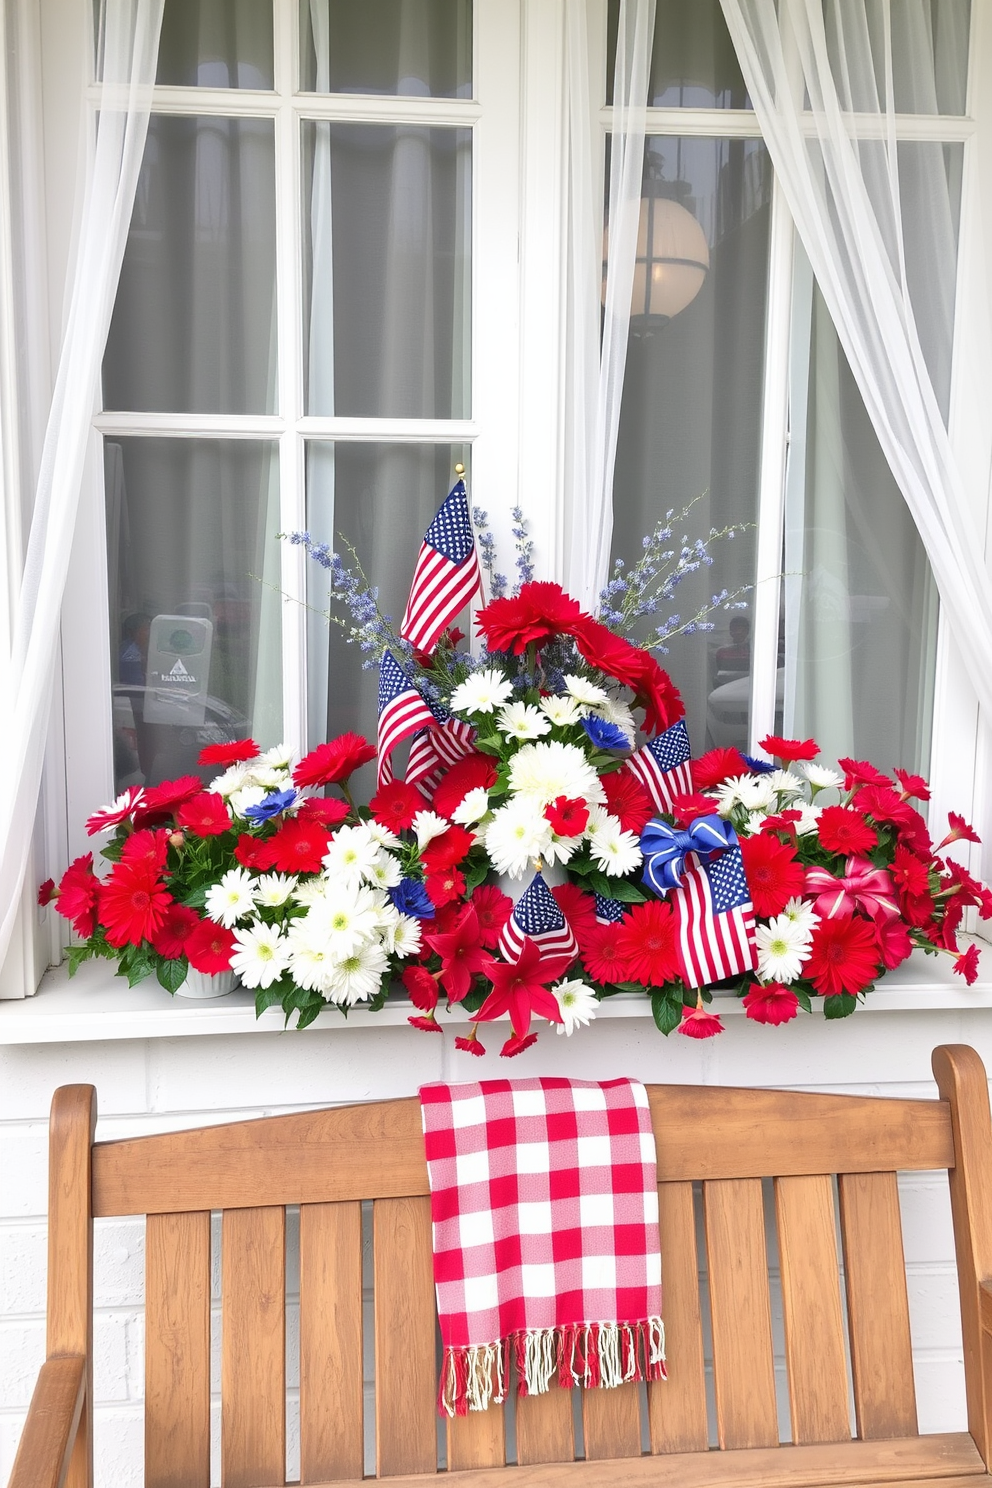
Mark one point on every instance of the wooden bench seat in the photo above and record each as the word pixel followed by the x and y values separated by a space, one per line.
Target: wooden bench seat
pixel 835 1229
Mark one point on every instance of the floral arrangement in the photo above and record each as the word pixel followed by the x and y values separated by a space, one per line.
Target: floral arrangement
pixel 552 843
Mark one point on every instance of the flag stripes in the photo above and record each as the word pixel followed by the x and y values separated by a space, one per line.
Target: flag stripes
pixel 662 766
pixel 715 923
pixel 402 712
pixel 447 574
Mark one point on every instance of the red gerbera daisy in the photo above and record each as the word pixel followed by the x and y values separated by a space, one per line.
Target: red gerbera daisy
pixel 602 957
pixel 568 817
pixel 205 816
pixel 472 771
pixel 647 944
pixel 421 985
pixel 251 852
pixel 687 806
pixel 334 761
pixel 716 766
pixel 842 830
pixel 894 944
pixel 230 753
pixel 578 907
pixel 147 846
pixel 698 1023
pixel 133 902
pixel 541 610
pixel 861 772
pixel 843 957
pixel 772 1003
pixel 447 849
pixel 116 812
pixel 330 810
pixel 209 948
pixel 774 875
pixel 78 895
pixel 161 801
pixel 445 886
pixel 493 908
pixel 169 940
pixel 788 750
pixel 910 873
pixel 395 805
pixel 298 847
pixel 46 892
pixel 627 799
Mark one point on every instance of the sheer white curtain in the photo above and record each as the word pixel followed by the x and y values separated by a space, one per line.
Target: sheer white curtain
pixel 844 186
pixel 595 367
pixel 130 46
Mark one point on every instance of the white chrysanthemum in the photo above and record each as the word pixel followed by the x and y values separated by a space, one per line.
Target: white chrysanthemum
pixel 400 933
pixel 309 964
pixel 279 757
pixel 356 978
pixel 561 849
pixel 232 899
pixel 232 779
pixel 750 791
pixel 522 721
pixel 346 920
pixel 617 852
pixel 578 1005
pixel 584 691
pixel 756 820
pixel 784 783
pixel 517 834
pixel 248 795
pixel 273 889
pixel 350 854
pixel 385 872
pixel 820 778
pixel 384 836
pixel 428 825
pixel 543 772
pixel 481 693
pixel 262 954
pixel 600 822
pixel 783 947
pixel 310 891
pixel 618 714
pixel 802 914
pixel 473 808
pixel 563 711
pixel 807 823
pixel 272 779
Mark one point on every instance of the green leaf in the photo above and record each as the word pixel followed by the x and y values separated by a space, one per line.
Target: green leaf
pixel 77 955
pixel 841 1006
pixel 172 974
pixel 196 898
pixel 475 874
pixel 311 1011
pixel 267 997
pixel 666 1010
pixel 140 966
pixel 112 851
pixel 600 884
pixel 628 987
pixel 625 892
pixel 491 744
pixel 803 998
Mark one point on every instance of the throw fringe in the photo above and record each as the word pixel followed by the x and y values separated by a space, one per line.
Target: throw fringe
pixel 587 1354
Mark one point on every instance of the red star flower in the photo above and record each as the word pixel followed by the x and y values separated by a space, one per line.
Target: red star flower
pixel 169 940
pixel 966 965
pixel 647 944
pixel 602 957
pixel 716 766
pixel 426 1025
pixel 462 954
pixel 159 803
pixel 520 988
pixel 516 1045
pixel 772 1003
pixel 913 786
pixel 470 1044
pixel 77 897
pixel 969 890
pixel 133 902
pixel 46 892
pixel 493 908
pixel 844 956
pixel 699 1024
pixel 842 830
pixel 861 772
pixel 298 847
pixel 960 831
pixel 627 800
pixel 472 771
pixel 788 750
pixel 209 948
pixel 774 875
pixel 230 753
pixel 205 816
pixel 395 805
pixel 568 817
pixel 579 909
pixel 334 761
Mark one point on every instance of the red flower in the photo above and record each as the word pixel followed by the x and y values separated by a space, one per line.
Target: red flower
pixel 251 852
pixel 969 890
pixel 298 847
pixel 843 956
pixel 472 771
pixel 783 822
pixel 229 754
pixel 602 956
pixel 716 766
pixel 462 955
pixel 773 1003
pixel 205 816
pixel 698 1023
pixel 117 811
pixel 333 761
pixel 426 1025
pixel 516 1045
pixel 568 817
pixel 470 1045
pixel 46 892
pixel 883 803
pixel 894 944
pixel 647 944
pixel 148 847
pixel 910 873
pixel 444 887
pixel 913 786
pixel 133 902
pixel 773 874
pixel 330 810
pixel 788 750
pixel 169 940
pixel 493 908
pixel 966 965
pixel 421 986
pixel 688 805
pixel 395 805
pixel 627 800
pixel 653 689
pixel 842 830
pixel 447 849
pixel 960 831
pixel 520 988
pixel 209 948
pixel 539 611
pixel 163 800
pixel 78 896
pixel 861 772
pixel 579 909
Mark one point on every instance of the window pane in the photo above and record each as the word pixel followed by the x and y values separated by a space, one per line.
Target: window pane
pixel 388 273
pixel 194 324
pixel 380 498
pixel 216 44
pixel 194 600
pixel 929 53
pixel 419 48
pixel 690 421
pixel 693 64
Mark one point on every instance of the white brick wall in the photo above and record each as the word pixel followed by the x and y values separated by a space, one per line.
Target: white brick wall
pixel 165 1084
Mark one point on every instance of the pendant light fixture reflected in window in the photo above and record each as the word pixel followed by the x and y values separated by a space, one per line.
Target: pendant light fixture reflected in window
pixel 673 256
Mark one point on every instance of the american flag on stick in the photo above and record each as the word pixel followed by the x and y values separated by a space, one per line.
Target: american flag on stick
pixel 714 919
pixel 662 765
pixel 447 575
pixel 402 711
pixel 435 750
pixel 536 916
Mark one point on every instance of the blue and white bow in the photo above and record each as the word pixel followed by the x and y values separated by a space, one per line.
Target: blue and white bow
pixel 666 848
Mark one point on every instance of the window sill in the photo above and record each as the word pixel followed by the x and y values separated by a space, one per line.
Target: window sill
pixel 96 1005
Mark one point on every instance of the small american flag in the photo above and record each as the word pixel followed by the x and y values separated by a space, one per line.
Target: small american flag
pixel 447 575
pixel 436 749
pixel 402 711
pixel 662 765
pixel 714 919
pixel 608 911
pixel 536 916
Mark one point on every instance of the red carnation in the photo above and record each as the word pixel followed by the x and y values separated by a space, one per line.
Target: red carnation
pixel 162 800
pixel 147 846
pixel 298 847
pixel 913 786
pixel 716 766
pixel 861 772
pixel 206 815
pixel 602 956
pixel 444 886
pixel 426 1025
pixel 472 771
pixel 209 948
pixel 966 965
pixel 493 908
pixel 788 750
pixel 470 1045
pixel 698 1023
pixel 252 852
pixel 627 800
pixel 843 956
pixel 568 817
pixel 960 831
pixel 647 944
pixel 330 810
pixel 772 1004
pixel 462 955
pixel 133 902
pixel 46 892
pixel 395 805
pixel 78 896
pixel 421 985
pixel 538 612
pixel 178 924
pixel 229 754
pixel 842 830
pixel 894 944
pixel 687 806
pixel 579 909
pixel 333 761
pixel 447 849
pixel 515 1045
pixel 774 876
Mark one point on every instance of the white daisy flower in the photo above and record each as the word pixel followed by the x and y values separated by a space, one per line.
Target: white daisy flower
pixel 346 920
pixel 518 833
pixel 385 872
pixel 522 721
pixel 802 914
pixel 543 772
pixel 262 955
pixel 617 852
pixel 248 795
pixel 584 691
pixel 578 1005
pixel 428 825
pixel 563 711
pixel 600 822
pixel 273 889
pixel 820 778
pixel 756 820
pixel 350 854
pixel 749 791
pixel 783 947
pixel 310 963
pixel 400 933
pixel 473 808
pixel 272 779
pixel 232 779
pixel 279 757
pixel 483 692
pixel 561 849
pixel 310 891
pixel 807 823
pixel 356 977
pixel 783 783
pixel 232 899
pixel 384 836
pixel 618 714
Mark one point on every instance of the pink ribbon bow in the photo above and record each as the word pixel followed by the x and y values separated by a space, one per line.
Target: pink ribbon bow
pixel 862 887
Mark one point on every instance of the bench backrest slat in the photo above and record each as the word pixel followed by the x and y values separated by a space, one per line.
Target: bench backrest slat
pixel 253 1347
pixel 177 1350
pixel 477 1440
pixel 405 1367
pixel 545 1429
pixel 815 1356
pixel 611 1423
pixel 677 1406
pixel 331 1385
pixel 741 1320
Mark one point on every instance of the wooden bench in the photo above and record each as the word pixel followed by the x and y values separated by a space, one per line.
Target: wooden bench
pixel 329 1161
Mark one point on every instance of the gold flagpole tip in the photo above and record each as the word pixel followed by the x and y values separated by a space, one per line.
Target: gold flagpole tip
pixel 459 469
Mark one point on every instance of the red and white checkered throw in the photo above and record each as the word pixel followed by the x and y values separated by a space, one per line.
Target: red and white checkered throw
pixel 544 1200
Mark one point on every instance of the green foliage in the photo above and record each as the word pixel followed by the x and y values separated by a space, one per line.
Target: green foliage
pixel 172 974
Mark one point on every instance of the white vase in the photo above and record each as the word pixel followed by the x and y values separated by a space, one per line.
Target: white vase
pixel 198 984
pixel 552 873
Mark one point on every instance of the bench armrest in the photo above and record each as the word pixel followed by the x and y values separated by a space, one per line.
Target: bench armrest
pixel 42 1459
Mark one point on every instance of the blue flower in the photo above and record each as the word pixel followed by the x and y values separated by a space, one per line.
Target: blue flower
pixel 410 898
pixel 605 735
pixel 756 766
pixel 271 806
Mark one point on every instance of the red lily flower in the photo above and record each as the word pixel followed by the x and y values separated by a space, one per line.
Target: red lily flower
pixel 462 955
pixel 520 988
